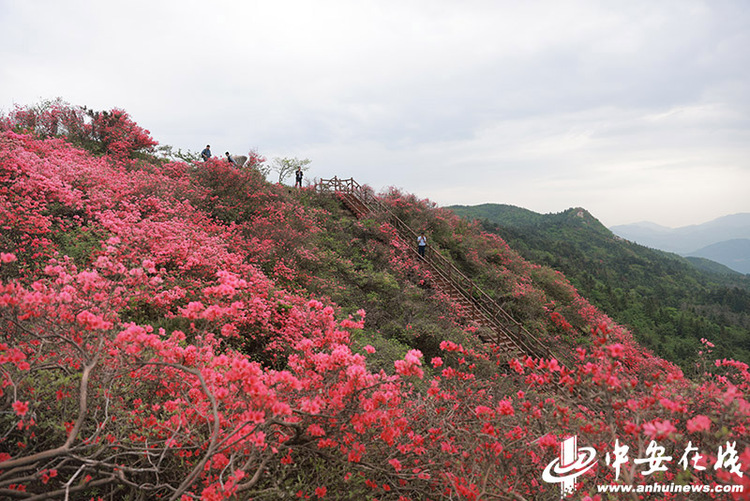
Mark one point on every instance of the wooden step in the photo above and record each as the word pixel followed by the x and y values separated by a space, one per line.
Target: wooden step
pixel 464 306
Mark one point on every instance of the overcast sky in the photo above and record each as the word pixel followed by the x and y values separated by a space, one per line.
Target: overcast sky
pixel 635 110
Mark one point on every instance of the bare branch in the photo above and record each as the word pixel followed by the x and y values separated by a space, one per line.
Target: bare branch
pixel 211 449
pixel 66 447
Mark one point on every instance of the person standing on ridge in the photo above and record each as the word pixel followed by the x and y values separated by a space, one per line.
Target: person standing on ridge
pixel 421 244
pixel 298 177
pixel 206 153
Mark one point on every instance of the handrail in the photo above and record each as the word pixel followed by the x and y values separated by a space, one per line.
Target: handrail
pixel 336 184
pixel 488 307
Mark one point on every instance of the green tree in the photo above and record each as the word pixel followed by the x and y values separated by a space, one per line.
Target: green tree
pixel 286 166
pixel 168 152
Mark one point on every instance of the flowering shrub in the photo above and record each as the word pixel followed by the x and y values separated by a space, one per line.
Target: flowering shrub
pixel 101 132
pixel 117 134
pixel 166 333
pixel 47 119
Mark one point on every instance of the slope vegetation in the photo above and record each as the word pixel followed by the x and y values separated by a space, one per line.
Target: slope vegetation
pixel 178 331
pixel 669 302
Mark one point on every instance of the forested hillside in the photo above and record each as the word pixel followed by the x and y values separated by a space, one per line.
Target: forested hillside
pixel 669 302
pixel 175 330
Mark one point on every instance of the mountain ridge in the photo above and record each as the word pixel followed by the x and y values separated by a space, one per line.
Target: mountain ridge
pixel 664 297
pixel 692 240
pixel 734 253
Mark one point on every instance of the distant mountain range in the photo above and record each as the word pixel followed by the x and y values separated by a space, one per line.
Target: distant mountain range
pixel 725 240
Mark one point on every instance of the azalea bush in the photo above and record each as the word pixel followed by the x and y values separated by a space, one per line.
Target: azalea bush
pixel 101 132
pixel 182 333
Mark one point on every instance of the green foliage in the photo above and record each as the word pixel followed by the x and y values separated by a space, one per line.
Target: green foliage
pixel 711 266
pixel 508 214
pixel 80 243
pixel 669 303
pixel 355 271
pixel 386 350
pixel 167 152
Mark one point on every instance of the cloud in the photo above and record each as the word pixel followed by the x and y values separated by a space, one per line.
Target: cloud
pixel 621 108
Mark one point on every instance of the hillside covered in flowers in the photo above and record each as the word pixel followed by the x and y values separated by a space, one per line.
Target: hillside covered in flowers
pixel 174 330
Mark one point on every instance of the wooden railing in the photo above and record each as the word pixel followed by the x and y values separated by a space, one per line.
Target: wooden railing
pixel 497 317
pixel 338 185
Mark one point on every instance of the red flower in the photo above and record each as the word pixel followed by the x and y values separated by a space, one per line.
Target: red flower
pixel 549 440
pixel 21 408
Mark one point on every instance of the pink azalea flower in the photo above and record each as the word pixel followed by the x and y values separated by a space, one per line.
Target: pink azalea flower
pixel 616 350
pixel 6 257
pixel 699 423
pixel 657 429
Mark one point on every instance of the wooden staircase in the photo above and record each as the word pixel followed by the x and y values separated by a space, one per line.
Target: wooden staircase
pixel 469 310
pixel 472 302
